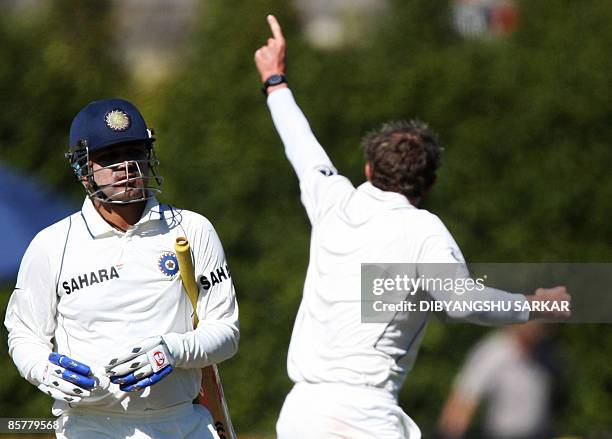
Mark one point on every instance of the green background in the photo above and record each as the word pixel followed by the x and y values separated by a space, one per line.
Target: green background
pixel 525 121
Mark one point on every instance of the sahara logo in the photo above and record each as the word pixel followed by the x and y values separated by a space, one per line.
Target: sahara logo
pixel 88 279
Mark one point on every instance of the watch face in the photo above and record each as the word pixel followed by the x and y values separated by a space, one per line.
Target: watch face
pixel 275 80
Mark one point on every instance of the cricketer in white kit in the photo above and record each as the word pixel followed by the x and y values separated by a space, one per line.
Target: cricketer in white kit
pixel 99 296
pixel 347 374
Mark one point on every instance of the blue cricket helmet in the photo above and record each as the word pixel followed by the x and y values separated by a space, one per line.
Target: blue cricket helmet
pixel 107 122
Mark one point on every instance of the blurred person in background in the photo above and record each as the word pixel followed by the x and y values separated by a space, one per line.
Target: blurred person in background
pixel 515 373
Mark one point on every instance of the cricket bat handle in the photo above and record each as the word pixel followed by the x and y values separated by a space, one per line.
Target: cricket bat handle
pixel 187 272
pixel 211 391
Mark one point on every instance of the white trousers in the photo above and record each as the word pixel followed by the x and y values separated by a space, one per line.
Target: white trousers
pixel 187 421
pixel 340 411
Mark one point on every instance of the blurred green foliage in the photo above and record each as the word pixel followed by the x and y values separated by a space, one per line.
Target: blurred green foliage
pixel 525 121
pixel 52 62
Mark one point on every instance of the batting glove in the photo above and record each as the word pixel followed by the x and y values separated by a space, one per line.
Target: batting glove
pixel 143 366
pixel 68 380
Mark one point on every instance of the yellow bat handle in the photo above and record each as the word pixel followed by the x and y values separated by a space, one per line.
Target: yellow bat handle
pixel 183 255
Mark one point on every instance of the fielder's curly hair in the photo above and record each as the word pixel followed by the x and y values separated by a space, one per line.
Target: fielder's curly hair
pixel 404 157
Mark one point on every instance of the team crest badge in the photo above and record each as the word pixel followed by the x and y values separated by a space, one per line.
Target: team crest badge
pixel 168 264
pixel 117 120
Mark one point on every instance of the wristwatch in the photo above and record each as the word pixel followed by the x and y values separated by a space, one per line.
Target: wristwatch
pixel 272 81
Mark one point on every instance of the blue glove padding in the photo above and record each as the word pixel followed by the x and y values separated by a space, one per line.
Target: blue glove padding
pixel 69 363
pixel 80 380
pixel 75 372
pixel 127 381
pixel 141 366
pixel 67 380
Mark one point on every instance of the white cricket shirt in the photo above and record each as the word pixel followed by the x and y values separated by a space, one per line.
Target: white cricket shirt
pixel 351 226
pixel 90 291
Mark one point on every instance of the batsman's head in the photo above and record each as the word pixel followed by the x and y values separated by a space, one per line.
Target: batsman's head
pixel 111 152
pixel 403 157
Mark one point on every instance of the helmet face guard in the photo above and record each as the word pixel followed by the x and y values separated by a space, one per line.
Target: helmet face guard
pixel 132 170
pixel 106 124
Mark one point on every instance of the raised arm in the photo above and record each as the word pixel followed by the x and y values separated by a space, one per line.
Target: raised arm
pixel 301 146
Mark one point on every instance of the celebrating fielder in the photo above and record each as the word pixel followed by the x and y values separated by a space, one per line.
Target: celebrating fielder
pixel 99 295
pixel 347 374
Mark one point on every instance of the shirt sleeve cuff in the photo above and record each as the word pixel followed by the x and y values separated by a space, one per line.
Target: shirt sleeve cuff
pixel 175 346
pixel 278 96
pixel 524 314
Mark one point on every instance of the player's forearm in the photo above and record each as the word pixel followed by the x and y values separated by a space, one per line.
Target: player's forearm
pixel 469 300
pixel 27 355
pixel 27 345
pixel 301 146
pixel 211 343
pixel 274 88
pixel 490 307
pixel 456 416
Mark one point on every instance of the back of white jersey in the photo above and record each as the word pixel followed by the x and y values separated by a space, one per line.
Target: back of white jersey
pixel 350 227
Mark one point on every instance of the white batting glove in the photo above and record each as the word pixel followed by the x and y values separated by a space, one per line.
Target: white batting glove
pixel 143 365
pixel 66 379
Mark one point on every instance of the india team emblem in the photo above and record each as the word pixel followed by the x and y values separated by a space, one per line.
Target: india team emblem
pixel 168 264
pixel 117 120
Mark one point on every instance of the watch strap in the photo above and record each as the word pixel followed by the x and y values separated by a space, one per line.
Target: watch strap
pixel 272 81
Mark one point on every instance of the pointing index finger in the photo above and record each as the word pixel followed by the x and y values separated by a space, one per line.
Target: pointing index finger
pixel 275 27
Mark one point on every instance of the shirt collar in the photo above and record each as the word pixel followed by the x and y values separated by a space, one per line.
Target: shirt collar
pixel 386 196
pixel 97 226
